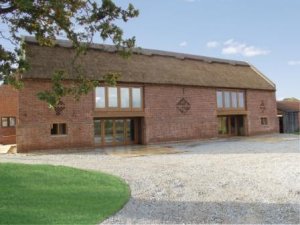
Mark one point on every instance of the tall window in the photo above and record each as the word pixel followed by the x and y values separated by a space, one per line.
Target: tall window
pixel 136 98
pixel 227 99
pixel 120 98
pixel 241 100
pixel 112 97
pixel 100 97
pixel 125 99
pixel 220 99
pixel 234 100
pixel 230 100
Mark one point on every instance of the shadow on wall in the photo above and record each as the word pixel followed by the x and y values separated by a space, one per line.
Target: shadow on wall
pixel 177 212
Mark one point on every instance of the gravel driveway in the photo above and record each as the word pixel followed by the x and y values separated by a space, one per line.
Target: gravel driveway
pixel 241 180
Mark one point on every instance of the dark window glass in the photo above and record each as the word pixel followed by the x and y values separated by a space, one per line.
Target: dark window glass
pixel 97 131
pixel 264 121
pixel 109 134
pixel 59 129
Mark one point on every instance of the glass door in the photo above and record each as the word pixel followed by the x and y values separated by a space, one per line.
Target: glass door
pixel 115 131
pixel 231 125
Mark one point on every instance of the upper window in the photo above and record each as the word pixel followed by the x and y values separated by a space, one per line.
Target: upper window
pixel 123 98
pixel 230 100
pixel 220 99
pixel 8 121
pixel 100 97
pixel 113 97
pixel 136 98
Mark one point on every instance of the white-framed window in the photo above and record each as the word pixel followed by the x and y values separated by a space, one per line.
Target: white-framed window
pixel 8 121
pixel 230 99
pixel 119 98
pixel 100 97
pixel 136 98
pixel 125 97
pixel 113 97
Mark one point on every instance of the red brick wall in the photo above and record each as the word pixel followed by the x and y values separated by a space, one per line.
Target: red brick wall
pixel 8 108
pixel 164 122
pixel 254 100
pixel 36 119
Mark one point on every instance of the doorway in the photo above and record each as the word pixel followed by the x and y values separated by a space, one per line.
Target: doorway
pixel 231 125
pixel 121 131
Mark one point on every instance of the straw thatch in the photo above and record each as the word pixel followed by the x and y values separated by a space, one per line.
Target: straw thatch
pixel 288 106
pixel 146 66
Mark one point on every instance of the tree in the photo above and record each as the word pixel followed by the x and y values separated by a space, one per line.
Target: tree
pixel 80 21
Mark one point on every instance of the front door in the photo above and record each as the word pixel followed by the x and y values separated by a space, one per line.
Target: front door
pixel 115 131
pixel 231 125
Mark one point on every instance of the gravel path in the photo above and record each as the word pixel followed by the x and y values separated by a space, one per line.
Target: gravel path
pixel 243 180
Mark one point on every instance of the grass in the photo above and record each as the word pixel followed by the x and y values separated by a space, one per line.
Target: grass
pixel 297 132
pixel 43 194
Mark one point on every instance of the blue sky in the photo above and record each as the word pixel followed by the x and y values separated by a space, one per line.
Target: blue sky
pixel 265 33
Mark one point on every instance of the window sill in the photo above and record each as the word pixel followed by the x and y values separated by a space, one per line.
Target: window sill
pixel 58 135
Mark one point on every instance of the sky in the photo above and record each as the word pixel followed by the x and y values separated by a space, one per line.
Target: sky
pixel 265 33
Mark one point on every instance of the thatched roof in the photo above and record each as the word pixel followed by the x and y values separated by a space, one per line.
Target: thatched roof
pixel 145 66
pixel 288 106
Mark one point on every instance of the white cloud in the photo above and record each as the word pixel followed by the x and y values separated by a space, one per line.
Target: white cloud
pixel 212 44
pixel 294 62
pixel 232 47
pixel 183 44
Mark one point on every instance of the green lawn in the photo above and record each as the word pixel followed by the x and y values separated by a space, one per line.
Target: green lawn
pixel 42 194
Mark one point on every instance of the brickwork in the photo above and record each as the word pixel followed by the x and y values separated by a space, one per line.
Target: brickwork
pixel 164 122
pixel 255 112
pixel 36 119
pixel 8 108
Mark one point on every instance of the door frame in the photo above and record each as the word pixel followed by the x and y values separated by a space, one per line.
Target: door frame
pixel 115 143
pixel 236 127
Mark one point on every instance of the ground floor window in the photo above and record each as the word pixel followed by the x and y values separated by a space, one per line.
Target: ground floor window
pixel 59 129
pixel 264 121
pixel 231 125
pixel 115 131
pixel 8 121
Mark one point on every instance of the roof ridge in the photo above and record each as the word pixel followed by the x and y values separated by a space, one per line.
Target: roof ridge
pixel 146 51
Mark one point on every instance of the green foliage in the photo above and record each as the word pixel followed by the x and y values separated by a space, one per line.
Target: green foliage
pixel 111 78
pixel 58 90
pixel 79 21
pixel 43 194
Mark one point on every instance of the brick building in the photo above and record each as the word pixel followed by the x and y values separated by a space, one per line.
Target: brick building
pixel 160 97
pixel 8 114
